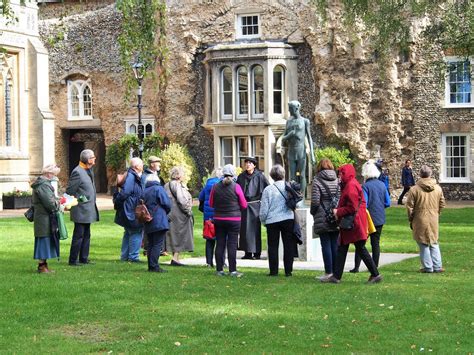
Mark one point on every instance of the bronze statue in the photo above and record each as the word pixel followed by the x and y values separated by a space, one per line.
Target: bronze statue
pixel 297 129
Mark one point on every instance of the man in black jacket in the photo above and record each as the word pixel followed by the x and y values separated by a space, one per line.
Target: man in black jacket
pixel 253 182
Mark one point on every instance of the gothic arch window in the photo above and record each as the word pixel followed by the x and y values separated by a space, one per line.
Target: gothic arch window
pixel 257 92
pixel 8 101
pixel 278 89
pixel 79 100
pixel 226 93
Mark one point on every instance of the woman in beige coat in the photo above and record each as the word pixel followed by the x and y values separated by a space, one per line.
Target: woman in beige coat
pixel 424 204
pixel 179 237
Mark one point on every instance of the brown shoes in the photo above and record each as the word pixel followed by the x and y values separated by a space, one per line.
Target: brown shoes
pixel 43 268
pixel 375 279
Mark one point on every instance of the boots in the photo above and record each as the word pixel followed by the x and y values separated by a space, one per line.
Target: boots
pixel 43 268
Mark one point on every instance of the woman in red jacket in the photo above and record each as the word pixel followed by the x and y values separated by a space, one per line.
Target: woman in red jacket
pixel 352 202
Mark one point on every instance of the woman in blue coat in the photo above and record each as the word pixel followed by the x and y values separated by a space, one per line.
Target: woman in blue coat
pixel 378 199
pixel 159 205
pixel 208 211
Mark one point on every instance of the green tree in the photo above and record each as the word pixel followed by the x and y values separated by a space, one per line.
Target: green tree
pixel 387 23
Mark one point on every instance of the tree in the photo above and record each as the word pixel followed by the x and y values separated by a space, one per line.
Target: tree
pixel 388 23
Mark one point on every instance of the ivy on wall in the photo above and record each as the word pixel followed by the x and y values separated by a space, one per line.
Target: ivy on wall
pixel 387 23
pixel 143 36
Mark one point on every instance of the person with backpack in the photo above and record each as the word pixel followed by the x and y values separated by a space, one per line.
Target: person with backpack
pixel 378 200
pixel 279 220
pixel 325 193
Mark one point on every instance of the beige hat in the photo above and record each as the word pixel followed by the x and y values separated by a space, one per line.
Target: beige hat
pixel 153 159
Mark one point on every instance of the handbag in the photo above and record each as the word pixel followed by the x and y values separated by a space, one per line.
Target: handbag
pixel 141 213
pixel 61 226
pixel 30 214
pixel 370 224
pixel 209 230
pixel 347 221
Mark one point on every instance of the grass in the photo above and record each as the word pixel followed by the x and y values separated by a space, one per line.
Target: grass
pixel 118 307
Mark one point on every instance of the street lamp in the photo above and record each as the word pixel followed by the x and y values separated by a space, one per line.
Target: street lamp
pixel 139 71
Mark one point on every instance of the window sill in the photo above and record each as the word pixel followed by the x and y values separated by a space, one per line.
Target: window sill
pixel 79 118
pixel 471 106
pixel 447 181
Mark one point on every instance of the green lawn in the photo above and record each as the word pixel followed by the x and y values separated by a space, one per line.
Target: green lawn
pixel 115 307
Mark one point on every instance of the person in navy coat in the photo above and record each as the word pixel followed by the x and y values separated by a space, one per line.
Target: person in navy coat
pixel 159 205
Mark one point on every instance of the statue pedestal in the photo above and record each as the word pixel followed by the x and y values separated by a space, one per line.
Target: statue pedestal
pixel 310 250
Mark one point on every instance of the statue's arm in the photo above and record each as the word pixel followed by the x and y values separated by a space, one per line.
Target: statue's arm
pixel 310 140
pixel 288 133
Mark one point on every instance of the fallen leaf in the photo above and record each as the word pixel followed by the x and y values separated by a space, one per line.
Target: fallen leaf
pixel 382 305
pixel 391 307
pixel 281 326
pixel 413 346
pixel 325 316
pixel 325 345
pixel 177 343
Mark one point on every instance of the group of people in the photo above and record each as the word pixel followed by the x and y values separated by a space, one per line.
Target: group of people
pixel 238 206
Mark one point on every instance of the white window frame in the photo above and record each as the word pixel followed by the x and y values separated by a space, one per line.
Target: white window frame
pixel 447 91
pixel 224 116
pixel 239 26
pixel 282 90
pixel 80 85
pixel 129 122
pixel 237 98
pixel 443 176
pixel 231 138
pixel 254 114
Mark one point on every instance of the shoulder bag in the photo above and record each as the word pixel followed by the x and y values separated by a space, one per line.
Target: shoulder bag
pixel 347 222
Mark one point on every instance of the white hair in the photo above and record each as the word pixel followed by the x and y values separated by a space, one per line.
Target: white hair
pixel 135 161
pixel 217 172
pixel 370 170
pixel 50 169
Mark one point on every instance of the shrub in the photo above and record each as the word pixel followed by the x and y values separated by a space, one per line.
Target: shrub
pixel 119 153
pixel 337 157
pixel 174 155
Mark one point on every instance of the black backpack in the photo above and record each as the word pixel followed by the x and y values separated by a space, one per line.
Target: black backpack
pixel 293 194
pixel 330 218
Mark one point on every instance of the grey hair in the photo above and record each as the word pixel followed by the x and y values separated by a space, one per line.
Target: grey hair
pixel 135 161
pixel 176 172
pixel 370 170
pixel 86 154
pixel 217 172
pixel 425 171
pixel 277 172
pixel 50 169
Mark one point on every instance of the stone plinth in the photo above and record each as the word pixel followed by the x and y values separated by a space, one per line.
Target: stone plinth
pixel 310 250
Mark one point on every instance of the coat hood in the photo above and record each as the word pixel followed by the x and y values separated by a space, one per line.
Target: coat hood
pixel 346 173
pixel 152 183
pixel 328 175
pixel 427 184
pixel 39 181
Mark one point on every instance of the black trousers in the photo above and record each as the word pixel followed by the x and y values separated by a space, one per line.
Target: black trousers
pixel 81 240
pixel 363 252
pixel 405 190
pixel 227 235
pixel 155 244
pixel 210 244
pixel 285 228
pixel 375 242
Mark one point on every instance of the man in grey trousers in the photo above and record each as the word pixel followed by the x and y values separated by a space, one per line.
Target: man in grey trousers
pixel 81 185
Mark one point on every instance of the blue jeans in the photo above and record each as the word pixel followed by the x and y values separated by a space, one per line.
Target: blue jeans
pixel 329 249
pixel 131 243
pixel 430 257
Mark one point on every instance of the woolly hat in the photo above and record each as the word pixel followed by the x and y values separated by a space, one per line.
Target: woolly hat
pixel 228 170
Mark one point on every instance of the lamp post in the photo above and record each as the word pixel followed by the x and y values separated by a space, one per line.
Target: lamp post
pixel 139 70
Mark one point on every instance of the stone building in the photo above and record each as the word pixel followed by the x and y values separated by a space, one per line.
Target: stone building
pixel 27 124
pixel 234 65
